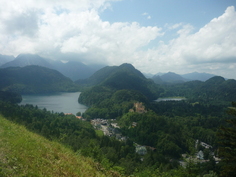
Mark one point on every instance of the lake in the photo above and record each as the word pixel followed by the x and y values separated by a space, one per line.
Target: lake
pixel 169 99
pixel 66 102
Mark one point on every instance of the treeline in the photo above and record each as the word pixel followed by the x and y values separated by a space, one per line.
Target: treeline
pixel 169 137
pixel 11 97
pixel 188 108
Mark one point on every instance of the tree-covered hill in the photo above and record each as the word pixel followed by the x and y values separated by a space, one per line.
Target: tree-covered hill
pixel 107 72
pixel 110 85
pixel 214 90
pixel 34 79
pixel 122 77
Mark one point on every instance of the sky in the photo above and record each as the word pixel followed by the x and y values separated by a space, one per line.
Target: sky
pixel 155 36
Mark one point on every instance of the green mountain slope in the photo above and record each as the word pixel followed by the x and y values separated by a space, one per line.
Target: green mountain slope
pixel 214 90
pixel 34 79
pixel 121 77
pixel 108 71
pixel 24 153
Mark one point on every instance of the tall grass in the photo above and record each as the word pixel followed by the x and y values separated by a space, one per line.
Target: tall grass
pixel 23 153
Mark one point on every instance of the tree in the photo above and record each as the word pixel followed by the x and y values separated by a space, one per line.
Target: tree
pixel 227 136
pixel 78 114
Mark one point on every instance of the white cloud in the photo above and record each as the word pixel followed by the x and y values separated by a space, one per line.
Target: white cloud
pixel 147 15
pixel 175 26
pixel 51 28
pixel 210 48
pixel 70 27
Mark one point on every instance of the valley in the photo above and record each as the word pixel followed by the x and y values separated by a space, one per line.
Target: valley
pixel 140 136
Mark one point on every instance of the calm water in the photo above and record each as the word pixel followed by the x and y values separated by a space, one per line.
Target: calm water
pixel 57 102
pixel 169 99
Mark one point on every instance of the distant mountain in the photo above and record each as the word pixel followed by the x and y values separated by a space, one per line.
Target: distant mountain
pixel 168 78
pixel 34 79
pixel 5 58
pixel 148 75
pixel 26 60
pixel 96 67
pixel 74 70
pixel 172 78
pixel 157 79
pixel 197 76
pixel 98 76
pixel 159 74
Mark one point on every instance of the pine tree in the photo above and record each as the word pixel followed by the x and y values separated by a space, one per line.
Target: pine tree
pixel 227 137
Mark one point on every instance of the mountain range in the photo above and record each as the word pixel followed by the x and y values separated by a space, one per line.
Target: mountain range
pixel 109 79
pixel 173 78
pixel 73 69
pixel 76 70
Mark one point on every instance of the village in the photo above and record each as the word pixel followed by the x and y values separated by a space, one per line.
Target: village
pixel 110 128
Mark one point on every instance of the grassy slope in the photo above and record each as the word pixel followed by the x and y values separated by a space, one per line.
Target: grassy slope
pixel 23 153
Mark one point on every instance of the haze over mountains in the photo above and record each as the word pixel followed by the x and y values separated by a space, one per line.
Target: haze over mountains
pixel 5 58
pixel 76 70
pixel 73 69
pixel 173 78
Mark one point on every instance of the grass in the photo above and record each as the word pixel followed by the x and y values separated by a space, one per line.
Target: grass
pixel 23 153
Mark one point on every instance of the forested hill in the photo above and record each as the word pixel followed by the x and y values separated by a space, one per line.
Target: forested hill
pixel 108 72
pixel 34 79
pixel 215 89
pixel 111 79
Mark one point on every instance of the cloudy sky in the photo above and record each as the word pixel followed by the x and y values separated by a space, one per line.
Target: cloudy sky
pixel 154 35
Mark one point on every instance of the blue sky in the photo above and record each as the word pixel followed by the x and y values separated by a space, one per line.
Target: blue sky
pixel 165 13
pixel 162 12
pixel 154 35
